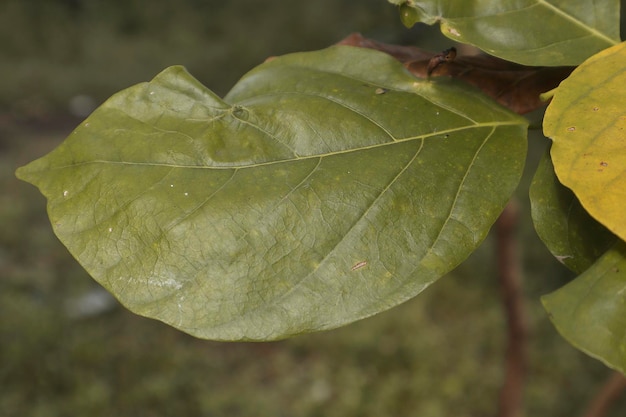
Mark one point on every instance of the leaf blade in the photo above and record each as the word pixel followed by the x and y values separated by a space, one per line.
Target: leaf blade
pixel 589 311
pixel 252 219
pixel 571 235
pixel 586 123
pixel 533 32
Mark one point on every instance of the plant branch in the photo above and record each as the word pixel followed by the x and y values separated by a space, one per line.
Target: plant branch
pixel 610 391
pixel 514 86
pixel 510 279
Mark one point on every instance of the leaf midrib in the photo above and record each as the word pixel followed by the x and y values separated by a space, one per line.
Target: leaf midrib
pixel 543 3
pixel 577 22
pixel 298 158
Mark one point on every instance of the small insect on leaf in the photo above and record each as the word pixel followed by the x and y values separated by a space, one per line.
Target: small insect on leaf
pixel 445 56
pixel 358 265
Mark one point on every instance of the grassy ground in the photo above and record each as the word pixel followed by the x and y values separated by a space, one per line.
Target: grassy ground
pixel 437 355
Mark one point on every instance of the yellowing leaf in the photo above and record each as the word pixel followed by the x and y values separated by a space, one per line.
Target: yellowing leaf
pixel 586 121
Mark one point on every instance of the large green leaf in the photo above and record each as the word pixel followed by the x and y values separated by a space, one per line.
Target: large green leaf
pixel 587 124
pixel 590 312
pixel 569 232
pixel 326 187
pixel 530 32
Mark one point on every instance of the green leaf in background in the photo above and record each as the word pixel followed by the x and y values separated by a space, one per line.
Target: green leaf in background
pixel 590 312
pixel 586 121
pixel 571 235
pixel 326 187
pixel 530 32
pixel 408 15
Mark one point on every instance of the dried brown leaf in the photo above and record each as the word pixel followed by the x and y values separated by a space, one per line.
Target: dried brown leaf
pixel 514 86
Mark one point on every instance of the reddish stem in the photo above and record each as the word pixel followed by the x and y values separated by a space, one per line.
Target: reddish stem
pixel 610 391
pixel 510 279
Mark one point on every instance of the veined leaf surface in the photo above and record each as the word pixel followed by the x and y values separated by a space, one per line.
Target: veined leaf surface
pixel 325 187
pixel 529 32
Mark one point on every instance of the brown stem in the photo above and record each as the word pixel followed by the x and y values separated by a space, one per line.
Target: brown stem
pixel 510 279
pixel 610 391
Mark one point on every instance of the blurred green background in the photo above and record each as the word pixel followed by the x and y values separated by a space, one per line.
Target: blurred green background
pixel 438 355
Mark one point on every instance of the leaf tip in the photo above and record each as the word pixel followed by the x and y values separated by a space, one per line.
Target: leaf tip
pixel 23 173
